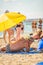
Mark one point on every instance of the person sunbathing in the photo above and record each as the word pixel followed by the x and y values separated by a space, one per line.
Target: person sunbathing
pixel 20 42
pixel 18 45
pixel 39 36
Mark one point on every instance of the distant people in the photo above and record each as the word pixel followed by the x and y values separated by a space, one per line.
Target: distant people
pixel 37 34
pixel 40 24
pixel 34 26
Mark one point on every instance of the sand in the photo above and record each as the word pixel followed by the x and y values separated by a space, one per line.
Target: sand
pixel 20 59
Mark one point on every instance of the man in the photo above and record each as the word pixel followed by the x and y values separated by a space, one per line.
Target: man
pixel 20 42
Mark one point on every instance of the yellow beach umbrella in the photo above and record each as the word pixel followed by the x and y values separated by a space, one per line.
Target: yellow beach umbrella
pixel 10 19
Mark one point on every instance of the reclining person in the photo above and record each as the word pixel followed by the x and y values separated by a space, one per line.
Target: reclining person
pixel 20 42
pixel 18 45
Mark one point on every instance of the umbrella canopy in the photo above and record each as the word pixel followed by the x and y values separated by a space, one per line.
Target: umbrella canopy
pixel 10 19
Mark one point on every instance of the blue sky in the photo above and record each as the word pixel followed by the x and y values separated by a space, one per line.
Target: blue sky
pixel 30 8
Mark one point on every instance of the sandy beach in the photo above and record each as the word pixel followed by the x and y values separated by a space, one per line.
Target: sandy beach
pixel 20 59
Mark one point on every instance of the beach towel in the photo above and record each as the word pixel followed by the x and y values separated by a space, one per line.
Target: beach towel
pixel 40 63
pixel 40 45
pixel 32 51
